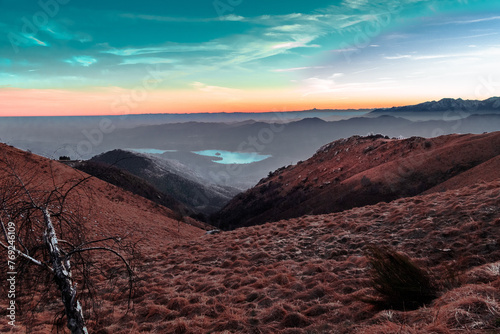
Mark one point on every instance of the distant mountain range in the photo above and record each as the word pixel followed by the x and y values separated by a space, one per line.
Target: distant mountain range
pixel 491 104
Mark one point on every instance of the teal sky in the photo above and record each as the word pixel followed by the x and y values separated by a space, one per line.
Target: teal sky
pixel 243 55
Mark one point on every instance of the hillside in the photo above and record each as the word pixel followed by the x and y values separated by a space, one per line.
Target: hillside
pixel 175 181
pixel 127 181
pixel 306 275
pixel 359 171
pixel 108 209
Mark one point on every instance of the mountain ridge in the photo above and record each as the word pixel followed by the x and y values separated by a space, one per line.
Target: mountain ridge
pixel 448 104
pixel 358 171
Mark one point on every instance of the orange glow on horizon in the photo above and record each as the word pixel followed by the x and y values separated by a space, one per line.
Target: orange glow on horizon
pixel 119 101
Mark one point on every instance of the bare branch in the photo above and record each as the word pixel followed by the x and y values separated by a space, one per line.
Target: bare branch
pixel 26 256
pixel 129 269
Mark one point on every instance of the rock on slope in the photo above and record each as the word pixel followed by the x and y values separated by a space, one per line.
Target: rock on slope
pixel 360 171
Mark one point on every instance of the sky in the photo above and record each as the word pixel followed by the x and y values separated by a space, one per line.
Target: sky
pixel 95 57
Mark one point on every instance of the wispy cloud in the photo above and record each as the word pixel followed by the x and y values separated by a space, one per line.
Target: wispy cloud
pixel 147 60
pixel 398 57
pixel 295 44
pixel 26 40
pixel 209 46
pixel 483 53
pixel 317 85
pixel 85 61
pixel 217 91
pixel 159 18
pixel 470 21
pixel 298 69
pixel 232 17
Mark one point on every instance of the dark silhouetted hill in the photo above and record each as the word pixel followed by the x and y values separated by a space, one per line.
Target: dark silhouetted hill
pixel 171 179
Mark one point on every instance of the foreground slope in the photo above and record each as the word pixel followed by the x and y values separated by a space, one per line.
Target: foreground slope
pixel 360 171
pixel 306 275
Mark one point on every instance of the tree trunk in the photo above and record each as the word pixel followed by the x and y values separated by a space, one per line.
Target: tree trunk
pixel 63 279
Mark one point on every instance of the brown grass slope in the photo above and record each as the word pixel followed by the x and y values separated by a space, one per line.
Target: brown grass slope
pixel 485 172
pixel 109 210
pixel 98 210
pixel 360 171
pixel 303 275
pixel 306 275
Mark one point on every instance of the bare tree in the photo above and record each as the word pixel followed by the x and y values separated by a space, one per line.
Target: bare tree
pixel 42 225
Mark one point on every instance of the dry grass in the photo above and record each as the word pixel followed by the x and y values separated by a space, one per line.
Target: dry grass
pixel 307 275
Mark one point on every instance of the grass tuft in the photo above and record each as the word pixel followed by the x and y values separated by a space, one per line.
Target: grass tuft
pixel 400 283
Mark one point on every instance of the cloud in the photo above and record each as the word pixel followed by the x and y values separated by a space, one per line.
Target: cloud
pixel 217 91
pixel 85 61
pixel 232 17
pixel 398 57
pixel 146 60
pixel 25 40
pixel 298 69
pixel 355 3
pixel 159 18
pixel 484 19
pixel 125 52
pixel 491 52
pixel 317 85
pixel 290 28
pixel 296 44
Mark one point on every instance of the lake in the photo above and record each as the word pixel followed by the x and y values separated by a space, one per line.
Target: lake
pixel 227 157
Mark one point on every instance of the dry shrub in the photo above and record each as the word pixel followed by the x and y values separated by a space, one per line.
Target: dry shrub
pixel 156 313
pixel 400 283
pixel 180 328
pixel 312 294
pixel 260 284
pixel 437 329
pixel 472 313
pixel 249 280
pixel 313 269
pixel 192 310
pixel 265 302
pixel 215 291
pixel 253 296
pixel 295 320
pixel 275 313
pixel 389 328
pixel 177 303
pixel 232 282
pixel 316 310
pixel 259 256
pixel 479 290
pixel 470 307
pixel 231 325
